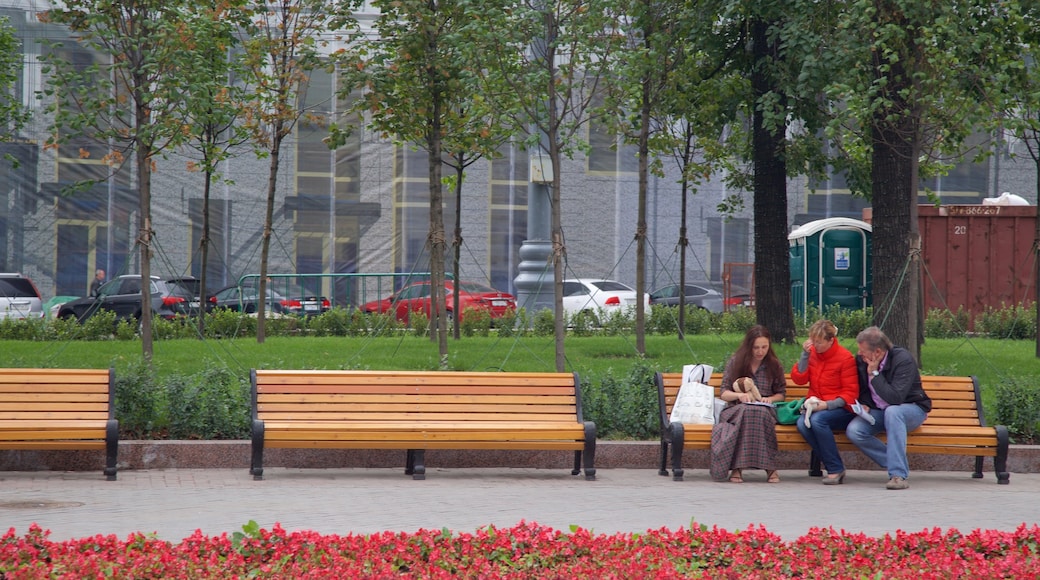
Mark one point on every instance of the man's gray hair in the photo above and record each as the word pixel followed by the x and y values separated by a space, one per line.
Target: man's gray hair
pixel 874 338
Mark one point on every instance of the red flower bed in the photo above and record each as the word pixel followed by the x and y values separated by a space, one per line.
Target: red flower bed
pixel 528 550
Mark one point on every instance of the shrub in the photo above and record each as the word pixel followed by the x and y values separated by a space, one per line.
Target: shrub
pixel 544 323
pixel 24 329
pixel 100 326
pixel 506 325
pixel 739 320
pixel 420 323
pixel 700 321
pixel 475 322
pixel 945 324
pixel 1014 322
pixel 662 319
pixel 140 403
pixel 213 404
pixel 583 323
pixel 617 321
pixel 1017 406
pixel 224 323
pixel 334 322
pixel 623 407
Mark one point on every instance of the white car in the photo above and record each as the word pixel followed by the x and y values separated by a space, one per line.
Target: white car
pixel 596 296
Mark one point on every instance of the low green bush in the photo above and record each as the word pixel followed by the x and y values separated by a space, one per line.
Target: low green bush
pixel 544 323
pixel 623 407
pixel 507 324
pixel 475 322
pixel 945 324
pixel 419 323
pixel 213 404
pixel 1013 322
pixel 141 405
pixel 1017 406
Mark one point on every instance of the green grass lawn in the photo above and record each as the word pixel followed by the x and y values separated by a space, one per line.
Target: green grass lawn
pixel 989 359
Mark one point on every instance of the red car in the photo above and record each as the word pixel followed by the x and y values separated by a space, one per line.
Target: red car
pixel 416 298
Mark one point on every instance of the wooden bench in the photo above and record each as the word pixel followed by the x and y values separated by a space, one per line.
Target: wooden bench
pixel 955 426
pixel 417 410
pixel 59 409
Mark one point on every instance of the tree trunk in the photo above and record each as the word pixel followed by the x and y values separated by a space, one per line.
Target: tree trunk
pixel 265 248
pixel 439 319
pixel 644 170
pixel 456 243
pixel 144 219
pixel 772 267
pixel 894 233
pixel 204 251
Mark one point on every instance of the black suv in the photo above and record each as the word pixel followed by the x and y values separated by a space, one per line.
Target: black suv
pixel 122 296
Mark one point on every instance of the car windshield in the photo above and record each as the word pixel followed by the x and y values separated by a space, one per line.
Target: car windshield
pixel 611 286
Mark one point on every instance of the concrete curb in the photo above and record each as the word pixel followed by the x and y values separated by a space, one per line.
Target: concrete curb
pixel 163 454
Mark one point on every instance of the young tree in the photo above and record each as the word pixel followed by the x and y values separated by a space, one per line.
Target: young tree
pixel 551 56
pixel 123 105
pixel 211 107
pixel 421 92
pixel 660 36
pixel 286 40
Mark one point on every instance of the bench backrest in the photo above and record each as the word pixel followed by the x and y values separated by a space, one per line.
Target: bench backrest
pixel 955 400
pixel 287 395
pixel 56 394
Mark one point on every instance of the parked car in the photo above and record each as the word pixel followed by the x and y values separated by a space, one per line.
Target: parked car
pixel 19 298
pixel 192 286
pixel 416 298
pixel 594 296
pixel 122 296
pixel 246 299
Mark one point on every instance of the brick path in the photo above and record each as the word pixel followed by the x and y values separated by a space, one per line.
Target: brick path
pixel 173 503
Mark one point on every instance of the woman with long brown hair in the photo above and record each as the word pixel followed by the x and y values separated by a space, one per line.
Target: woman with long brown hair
pixel 745 435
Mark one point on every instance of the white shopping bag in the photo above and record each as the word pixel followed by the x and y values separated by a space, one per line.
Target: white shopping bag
pixel 695 402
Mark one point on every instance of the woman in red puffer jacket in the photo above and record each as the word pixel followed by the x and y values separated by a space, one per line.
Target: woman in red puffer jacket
pixel 830 370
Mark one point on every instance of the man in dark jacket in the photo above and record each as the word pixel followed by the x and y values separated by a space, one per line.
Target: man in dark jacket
pixel 890 393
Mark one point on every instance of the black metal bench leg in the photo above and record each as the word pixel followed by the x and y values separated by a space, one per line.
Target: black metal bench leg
pixel 256 468
pixel 111 448
pixel 589 455
pixel 814 465
pixel 678 433
pixel 1000 460
pixel 409 462
pixel 418 463
pixel 977 474
pixel 577 463
pixel 663 468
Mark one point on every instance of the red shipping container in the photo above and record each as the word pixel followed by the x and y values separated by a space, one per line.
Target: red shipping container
pixel 977 256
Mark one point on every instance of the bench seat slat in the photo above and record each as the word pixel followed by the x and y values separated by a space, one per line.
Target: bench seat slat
pixel 424 416
pixel 417 389
pixel 495 445
pixel 52 434
pixel 383 398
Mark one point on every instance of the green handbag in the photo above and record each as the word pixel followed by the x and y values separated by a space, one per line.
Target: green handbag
pixel 787 412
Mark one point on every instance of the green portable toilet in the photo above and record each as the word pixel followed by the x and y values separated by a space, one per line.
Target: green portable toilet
pixel 830 264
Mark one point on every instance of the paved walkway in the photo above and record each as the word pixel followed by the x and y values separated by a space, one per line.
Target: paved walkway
pixel 173 503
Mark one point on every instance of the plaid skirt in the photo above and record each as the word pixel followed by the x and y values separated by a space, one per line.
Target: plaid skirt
pixel 744 438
